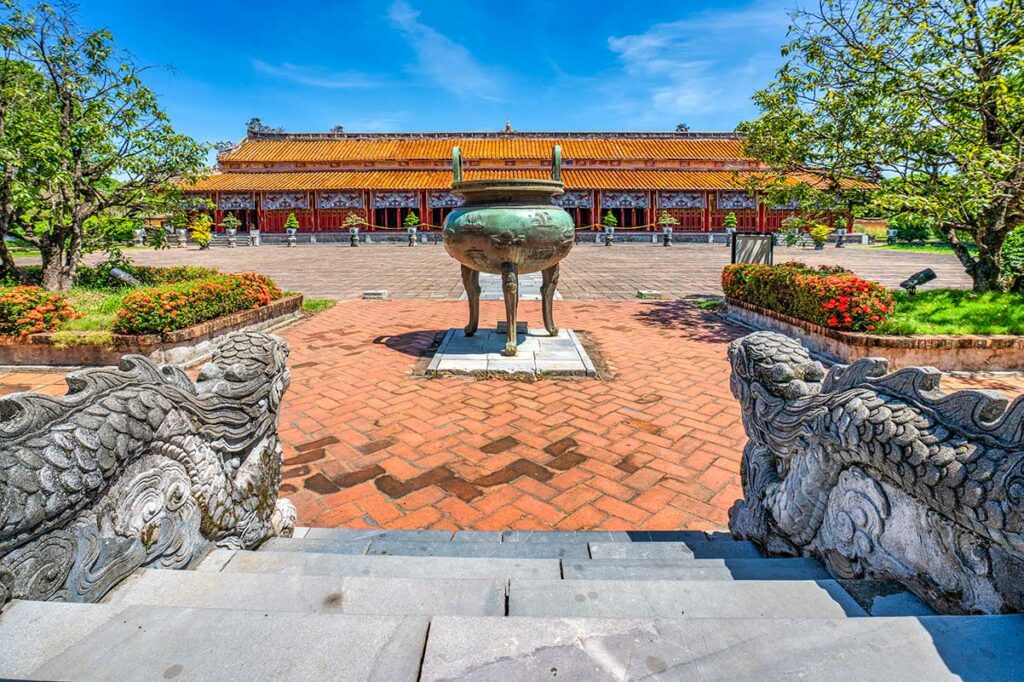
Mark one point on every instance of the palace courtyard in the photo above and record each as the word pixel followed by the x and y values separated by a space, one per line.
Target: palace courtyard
pixel 654 443
pixel 590 272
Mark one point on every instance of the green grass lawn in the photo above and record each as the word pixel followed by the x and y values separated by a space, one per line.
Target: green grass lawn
pixel 924 248
pixel 952 311
pixel 311 306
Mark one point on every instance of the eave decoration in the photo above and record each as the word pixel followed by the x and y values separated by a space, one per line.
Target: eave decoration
pixel 396 200
pixel 624 200
pixel 575 198
pixel 236 202
pixel 681 200
pixel 736 201
pixel 277 201
pixel 444 200
pixel 339 199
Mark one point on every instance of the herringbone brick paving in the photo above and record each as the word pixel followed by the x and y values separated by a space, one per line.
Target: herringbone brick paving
pixel 367 443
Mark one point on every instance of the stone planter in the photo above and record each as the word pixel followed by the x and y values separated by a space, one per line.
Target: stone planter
pixel 180 347
pixel 948 353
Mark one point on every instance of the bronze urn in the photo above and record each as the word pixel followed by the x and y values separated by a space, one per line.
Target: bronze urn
pixel 509 227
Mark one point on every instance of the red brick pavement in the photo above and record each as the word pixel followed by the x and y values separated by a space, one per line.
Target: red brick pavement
pixel 367 443
pixel 657 446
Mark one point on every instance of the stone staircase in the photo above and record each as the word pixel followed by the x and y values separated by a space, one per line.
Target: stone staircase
pixel 429 605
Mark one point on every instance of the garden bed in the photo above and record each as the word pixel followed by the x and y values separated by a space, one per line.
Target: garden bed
pixel 179 347
pixel 968 353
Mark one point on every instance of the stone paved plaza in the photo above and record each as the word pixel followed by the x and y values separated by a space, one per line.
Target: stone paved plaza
pixel 590 272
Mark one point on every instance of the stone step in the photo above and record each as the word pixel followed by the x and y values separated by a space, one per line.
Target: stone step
pixel 605 536
pixel 33 632
pixel 510 536
pixel 930 648
pixel 310 563
pixel 680 599
pixel 369 534
pixel 694 569
pixel 317 593
pixel 547 550
pixel 717 549
pixel 161 642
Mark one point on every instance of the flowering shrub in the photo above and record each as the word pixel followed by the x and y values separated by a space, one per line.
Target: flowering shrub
pixel 175 306
pixel 831 297
pixel 31 310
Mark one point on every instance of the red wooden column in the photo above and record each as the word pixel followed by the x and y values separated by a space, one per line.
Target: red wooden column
pixel 761 225
pixel 707 211
pixel 217 214
pixel 311 197
pixel 423 206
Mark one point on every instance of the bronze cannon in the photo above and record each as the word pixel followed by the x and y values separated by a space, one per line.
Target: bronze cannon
pixel 509 227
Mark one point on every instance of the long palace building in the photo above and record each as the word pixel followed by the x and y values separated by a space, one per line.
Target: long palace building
pixel 698 178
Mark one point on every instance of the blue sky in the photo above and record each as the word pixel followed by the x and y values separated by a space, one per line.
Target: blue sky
pixel 400 65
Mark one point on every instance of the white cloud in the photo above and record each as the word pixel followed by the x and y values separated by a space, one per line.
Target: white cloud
pixel 317 77
pixel 705 65
pixel 440 59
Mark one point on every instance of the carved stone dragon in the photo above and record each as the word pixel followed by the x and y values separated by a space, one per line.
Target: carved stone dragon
pixel 882 475
pixel 137 466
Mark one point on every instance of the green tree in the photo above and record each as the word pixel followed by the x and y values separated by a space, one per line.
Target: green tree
pixel 200 228
pixel 411 220
pixel 82 139
pixel 610 220
pixel 729 220
pixel 291 222
pixel 930 92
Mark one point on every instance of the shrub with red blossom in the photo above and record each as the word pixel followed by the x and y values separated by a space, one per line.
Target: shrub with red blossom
pixel 831 297
pixel 31 310
pixel 175 306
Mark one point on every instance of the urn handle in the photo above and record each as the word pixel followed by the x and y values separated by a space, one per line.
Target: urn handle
pixel 556 163
pixel 456 164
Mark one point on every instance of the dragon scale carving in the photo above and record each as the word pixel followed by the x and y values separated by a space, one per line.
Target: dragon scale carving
pixel 137 466
pixel 882 475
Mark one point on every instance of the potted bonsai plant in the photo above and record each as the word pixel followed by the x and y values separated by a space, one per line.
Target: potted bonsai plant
pixel 291 224
pixel 231 224
pixel 610 222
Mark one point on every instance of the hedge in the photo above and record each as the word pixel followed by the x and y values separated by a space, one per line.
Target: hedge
pixel 831 297
pixel 98 276
pixel 31 310
pixel 175 306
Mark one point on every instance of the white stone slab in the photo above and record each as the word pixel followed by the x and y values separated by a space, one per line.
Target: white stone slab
pixel 538 355
pixel 705 649
pixel 158 642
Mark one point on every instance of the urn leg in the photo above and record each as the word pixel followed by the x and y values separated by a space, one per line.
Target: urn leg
pixel 510 289
pixel 549 282
pixel 471 281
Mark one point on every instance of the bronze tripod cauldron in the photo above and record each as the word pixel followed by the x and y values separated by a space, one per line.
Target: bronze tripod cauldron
pixel 509 227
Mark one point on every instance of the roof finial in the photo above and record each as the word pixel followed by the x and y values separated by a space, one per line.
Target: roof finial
pixel 508 126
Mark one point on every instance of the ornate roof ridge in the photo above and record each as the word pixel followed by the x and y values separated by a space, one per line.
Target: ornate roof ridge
pixel 497 135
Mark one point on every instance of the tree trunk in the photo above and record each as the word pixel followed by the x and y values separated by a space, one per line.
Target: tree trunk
pixel 987 273
pixel 8 268
pixel 58 271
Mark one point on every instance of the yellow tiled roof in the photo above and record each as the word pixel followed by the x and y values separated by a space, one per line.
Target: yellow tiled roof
pixel 440 180
pixel 362 149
